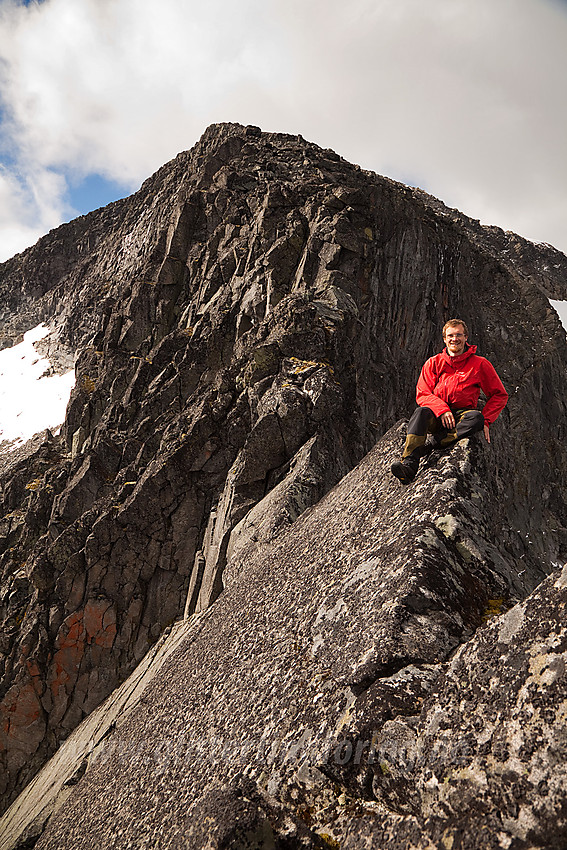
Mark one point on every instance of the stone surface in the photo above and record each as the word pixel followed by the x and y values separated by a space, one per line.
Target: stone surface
pixel 484 763
pixel 245 328
pixel 326 669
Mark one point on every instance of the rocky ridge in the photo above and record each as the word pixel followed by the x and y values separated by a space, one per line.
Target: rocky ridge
pixel 382 690
pixel 245 327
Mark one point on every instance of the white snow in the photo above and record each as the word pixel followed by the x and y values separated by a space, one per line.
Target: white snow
pixel 28 402
pixel 561 308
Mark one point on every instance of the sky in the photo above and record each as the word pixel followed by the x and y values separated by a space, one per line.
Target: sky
pixel 463 98
pixel 561 308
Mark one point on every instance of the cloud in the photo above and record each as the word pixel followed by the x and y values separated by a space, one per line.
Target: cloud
pixel 118 86
pixel 465 99
pixel 30 205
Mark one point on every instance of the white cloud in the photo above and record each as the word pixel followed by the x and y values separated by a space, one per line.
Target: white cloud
pixel 468 97
pixel 29 207
pixel 119 86
pixel 464 98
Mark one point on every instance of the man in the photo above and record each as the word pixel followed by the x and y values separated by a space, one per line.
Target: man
pixel 447 394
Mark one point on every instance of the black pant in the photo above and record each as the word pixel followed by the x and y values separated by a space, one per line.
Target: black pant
pixel 424 421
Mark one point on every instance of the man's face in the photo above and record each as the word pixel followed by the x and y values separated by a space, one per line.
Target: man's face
pixel 455 339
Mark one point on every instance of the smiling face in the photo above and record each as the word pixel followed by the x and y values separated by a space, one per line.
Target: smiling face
pixel 455 339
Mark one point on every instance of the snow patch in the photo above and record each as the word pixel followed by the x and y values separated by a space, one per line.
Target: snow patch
pixel 30 400
pixel 560 308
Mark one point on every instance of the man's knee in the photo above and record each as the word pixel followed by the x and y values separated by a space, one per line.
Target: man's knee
pixel 472 421
pixel 421 421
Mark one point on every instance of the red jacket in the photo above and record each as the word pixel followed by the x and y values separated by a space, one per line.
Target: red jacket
pixel 455 382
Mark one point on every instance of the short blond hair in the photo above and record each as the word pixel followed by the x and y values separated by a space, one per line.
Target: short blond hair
pixel 452 323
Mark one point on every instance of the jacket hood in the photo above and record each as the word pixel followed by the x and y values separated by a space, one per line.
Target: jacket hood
pixel 468 352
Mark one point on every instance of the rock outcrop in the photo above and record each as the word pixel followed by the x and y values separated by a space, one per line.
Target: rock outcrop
pixel 245 328
pixel 363 680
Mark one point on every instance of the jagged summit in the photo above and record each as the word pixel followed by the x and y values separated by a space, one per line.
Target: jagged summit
pixel 70 260
pixel 246 328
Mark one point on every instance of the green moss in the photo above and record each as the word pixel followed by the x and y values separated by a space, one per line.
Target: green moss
pixel 303 365
pixel 493 609
pixel 329 840
pixel 87 384
pixel 34 485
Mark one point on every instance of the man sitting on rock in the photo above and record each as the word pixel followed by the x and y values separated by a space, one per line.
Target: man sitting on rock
pixel 447 394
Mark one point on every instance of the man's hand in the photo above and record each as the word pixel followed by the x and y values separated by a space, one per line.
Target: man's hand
pixel 487 433
pixel 448 420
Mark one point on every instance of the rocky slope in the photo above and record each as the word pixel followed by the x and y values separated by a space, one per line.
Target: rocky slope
pixel 245 328
pixel 320 701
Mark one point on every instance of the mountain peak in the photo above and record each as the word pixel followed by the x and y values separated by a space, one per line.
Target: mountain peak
pixel 247 330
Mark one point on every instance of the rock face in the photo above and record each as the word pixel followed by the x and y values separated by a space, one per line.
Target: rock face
pixel 245 329
pixel 320 701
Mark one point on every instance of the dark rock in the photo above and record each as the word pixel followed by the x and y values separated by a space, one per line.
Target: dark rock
pixel 485 757
pixel 245 328
pixel 331 653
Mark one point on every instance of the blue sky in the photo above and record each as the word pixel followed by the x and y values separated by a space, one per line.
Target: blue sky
pixel 465 99
pixel 91 192
pixel 83 193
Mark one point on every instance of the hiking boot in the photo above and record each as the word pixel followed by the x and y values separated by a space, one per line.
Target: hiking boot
pixel 405 472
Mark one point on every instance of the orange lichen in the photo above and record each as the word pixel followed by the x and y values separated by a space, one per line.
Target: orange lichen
pixel 95 624
pixel 19 710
